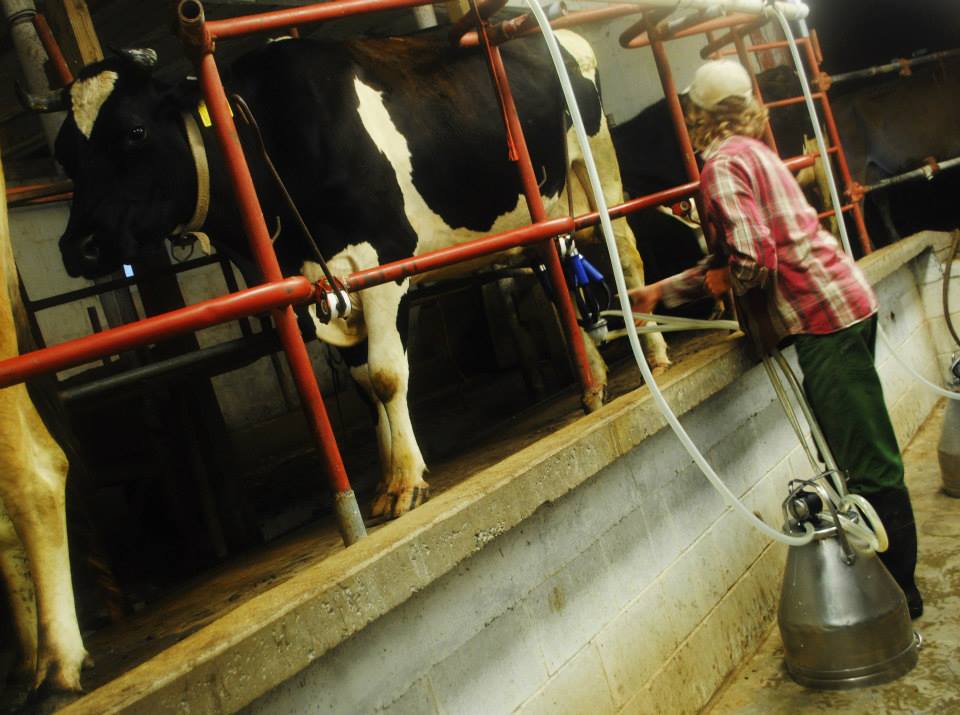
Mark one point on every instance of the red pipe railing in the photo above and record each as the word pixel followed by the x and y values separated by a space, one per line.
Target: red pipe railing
pixel 297 290
pixel 259 299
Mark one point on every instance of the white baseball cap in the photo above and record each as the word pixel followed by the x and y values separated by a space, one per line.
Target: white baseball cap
pixel 716 80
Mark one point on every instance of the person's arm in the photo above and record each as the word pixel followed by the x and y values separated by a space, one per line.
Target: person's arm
pixel 751 252
pixel 687 286
pixel 673 291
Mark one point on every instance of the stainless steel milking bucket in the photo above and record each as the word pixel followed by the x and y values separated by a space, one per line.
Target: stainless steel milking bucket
pixel 843 619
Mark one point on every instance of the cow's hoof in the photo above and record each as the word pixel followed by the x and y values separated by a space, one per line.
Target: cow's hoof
pixel 410 498
pixel 396 503
pixel 62 674
pixel 658 368
pixel 592 400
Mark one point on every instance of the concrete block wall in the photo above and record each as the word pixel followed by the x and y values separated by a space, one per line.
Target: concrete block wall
pixel 637 592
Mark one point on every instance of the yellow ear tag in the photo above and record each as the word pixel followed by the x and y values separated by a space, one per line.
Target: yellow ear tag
pixel 205 113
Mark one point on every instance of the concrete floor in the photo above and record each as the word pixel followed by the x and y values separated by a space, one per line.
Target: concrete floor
pixel 762 686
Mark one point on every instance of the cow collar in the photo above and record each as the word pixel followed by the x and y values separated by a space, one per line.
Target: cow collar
pixel 199 154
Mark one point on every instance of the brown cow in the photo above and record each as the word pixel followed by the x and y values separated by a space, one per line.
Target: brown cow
pixel 34 561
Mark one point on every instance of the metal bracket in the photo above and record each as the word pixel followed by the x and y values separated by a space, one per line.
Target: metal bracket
pixel 332 304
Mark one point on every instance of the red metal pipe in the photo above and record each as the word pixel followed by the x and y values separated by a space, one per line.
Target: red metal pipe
pixel 52 48
pixel 745 61
pixel 482 9
pixel 290 291
pixel 262 248
pixel 281 19
pixel 669 196
pixel 531 190
pixel 527 235
pixel 834 133
pixel 673 104
pixel 793 100
pixel 399 270
pixel 737 33
pixel 643 38
pixel 523 25
pixel 844 209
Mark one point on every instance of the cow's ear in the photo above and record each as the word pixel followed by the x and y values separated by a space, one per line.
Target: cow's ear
pixel 143 57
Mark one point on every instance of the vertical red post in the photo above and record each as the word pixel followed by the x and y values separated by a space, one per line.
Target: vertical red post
pixel 744 58
pixel 673 102
pixel 848 183
pixel 348 513
pixel 531 189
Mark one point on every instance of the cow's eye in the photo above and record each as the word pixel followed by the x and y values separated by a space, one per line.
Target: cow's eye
pixel 137 134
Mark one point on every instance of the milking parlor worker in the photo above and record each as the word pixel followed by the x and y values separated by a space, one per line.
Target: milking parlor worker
pixel 802 287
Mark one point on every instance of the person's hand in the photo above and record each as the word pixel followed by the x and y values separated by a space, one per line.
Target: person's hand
pixel 645 299
pixel 717 281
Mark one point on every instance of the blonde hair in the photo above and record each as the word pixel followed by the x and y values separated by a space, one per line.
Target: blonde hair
pixel 733 115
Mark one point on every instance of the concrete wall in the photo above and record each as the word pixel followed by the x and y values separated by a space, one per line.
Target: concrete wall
pixel 636 592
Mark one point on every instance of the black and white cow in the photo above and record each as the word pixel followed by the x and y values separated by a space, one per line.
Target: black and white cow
pixel 390 147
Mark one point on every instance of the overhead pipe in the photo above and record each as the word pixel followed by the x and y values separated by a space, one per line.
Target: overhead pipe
pixel 928 172
pixel 523 25
pixel 32 56
pixel 52 48
pixel 895 66
pixel 636 35
pixel 735 34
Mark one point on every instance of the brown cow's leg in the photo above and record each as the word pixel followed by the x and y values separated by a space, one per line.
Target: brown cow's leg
pixel 34 472
pixel 389 379
pixel 15 572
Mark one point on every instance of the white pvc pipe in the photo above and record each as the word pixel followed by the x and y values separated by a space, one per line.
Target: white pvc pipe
pixel 617 271
pixel 794 11
pixel 949 394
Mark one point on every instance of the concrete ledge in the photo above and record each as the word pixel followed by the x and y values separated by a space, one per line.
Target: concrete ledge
pixel 272 637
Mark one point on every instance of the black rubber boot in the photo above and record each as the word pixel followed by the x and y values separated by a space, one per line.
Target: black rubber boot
pixel 894 508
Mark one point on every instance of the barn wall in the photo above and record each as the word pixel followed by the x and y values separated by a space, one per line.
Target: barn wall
pixel 247 396
pixel 635 592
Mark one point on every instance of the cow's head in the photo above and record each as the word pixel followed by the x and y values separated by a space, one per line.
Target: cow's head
pixel 123 143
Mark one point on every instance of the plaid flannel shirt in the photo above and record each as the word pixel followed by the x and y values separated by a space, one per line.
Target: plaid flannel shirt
pixel 772 240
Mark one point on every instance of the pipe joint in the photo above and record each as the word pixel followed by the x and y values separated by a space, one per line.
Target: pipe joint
pixel 17 11
pixel 193 29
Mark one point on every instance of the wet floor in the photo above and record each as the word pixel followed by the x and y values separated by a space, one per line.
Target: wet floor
pixel 762 687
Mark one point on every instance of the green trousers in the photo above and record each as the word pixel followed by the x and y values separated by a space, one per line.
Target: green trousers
pixel 844 391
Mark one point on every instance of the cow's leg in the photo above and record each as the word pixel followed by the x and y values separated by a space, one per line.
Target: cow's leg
pixel 33 474
pixel 389 374
pixel 609 173
pixel 15 571
pixel 361 375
